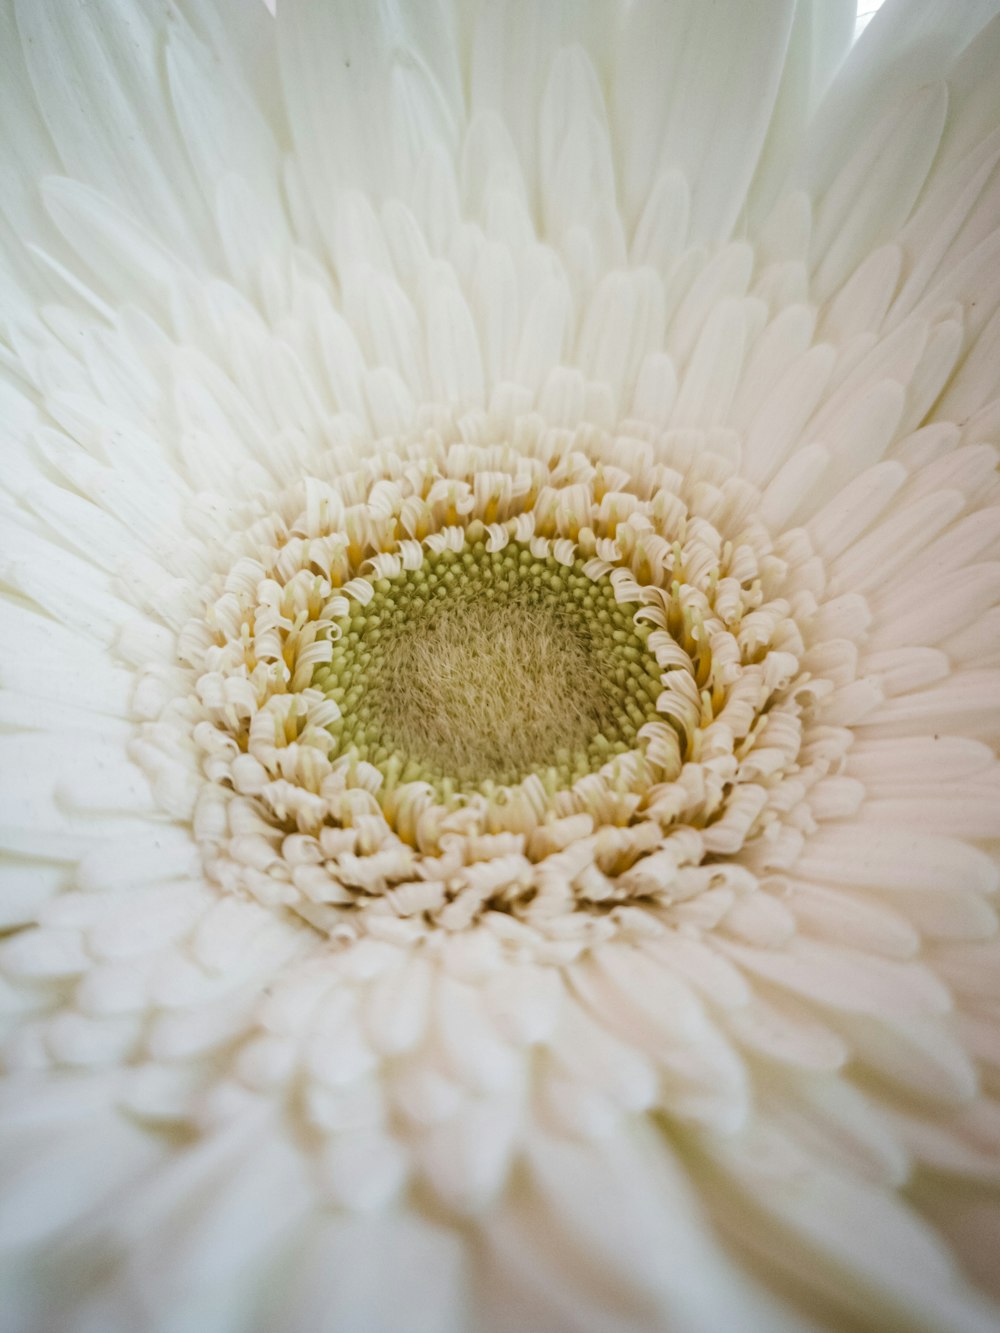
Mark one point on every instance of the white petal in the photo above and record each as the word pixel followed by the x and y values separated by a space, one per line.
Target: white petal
pixel 902 860
pixel 689 50
pixel 353 1273
pixel 833 1223
pixel 57 1178
pixel 842 979
pixel 90 79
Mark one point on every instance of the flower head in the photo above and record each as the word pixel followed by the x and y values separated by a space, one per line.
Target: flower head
pixel 501 604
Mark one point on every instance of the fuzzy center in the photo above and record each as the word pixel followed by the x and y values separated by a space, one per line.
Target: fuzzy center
pixel 481 667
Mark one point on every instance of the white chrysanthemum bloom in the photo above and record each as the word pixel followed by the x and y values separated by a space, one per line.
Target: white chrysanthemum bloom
pixel 501 666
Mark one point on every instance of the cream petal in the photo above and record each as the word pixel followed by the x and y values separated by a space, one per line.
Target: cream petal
pixel 350 1272
pixel 833 1223
pixel 682 48
pixel 831 1121
pixel 57 1172
pixel 844 980
pixel 613 1260
pixel 874 192
pixel 90 79
pixel 895 860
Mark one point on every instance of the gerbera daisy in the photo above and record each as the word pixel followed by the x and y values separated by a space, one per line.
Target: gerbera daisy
pixel 501 670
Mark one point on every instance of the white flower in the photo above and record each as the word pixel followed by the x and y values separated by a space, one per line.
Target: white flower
pixel 500 674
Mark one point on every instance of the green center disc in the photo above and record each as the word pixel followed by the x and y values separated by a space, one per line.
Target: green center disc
pixel 480 668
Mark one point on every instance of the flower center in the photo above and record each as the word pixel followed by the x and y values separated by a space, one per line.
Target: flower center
pixel 481 667
pixel 555 687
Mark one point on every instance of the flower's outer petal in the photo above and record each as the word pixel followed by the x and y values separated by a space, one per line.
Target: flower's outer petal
pixel 844 981
pixel 826 1222
pixel 852 918
pixel 917 1057
pixel 873 194
pixel 969 1222
pixel 97 691
pixel 680 49
pixel 368 92
pixel 525 58
pixel 65 1150
pixel 835 1122
pixel 641 1004
pixel 906 47
pixel 253 1190
pixel 28 152
pixel 376 1273
pixel 917 239
pixel 892 860
pixel 225 134
pixel 93 71
pixel 241 37
pixel 643 1261
pixel 781 418
pixel 821 37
